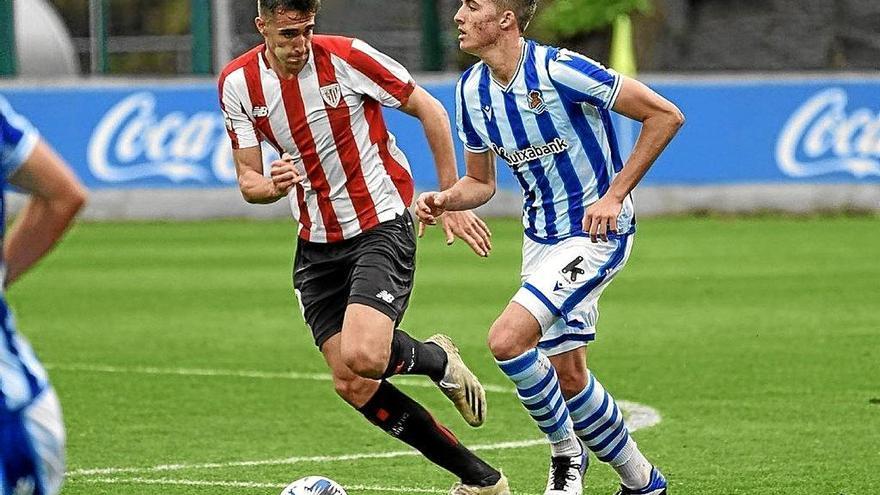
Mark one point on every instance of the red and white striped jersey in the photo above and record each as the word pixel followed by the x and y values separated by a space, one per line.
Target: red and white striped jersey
pixel 330 120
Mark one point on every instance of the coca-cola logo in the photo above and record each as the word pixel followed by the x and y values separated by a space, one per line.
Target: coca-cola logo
pixel 132 141
pixel 824 137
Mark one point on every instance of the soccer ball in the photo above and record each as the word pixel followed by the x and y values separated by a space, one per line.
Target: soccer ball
pixel 313 485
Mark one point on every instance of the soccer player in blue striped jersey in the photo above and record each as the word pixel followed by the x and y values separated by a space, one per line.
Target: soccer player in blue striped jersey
pixel 546 113
pixel 31 430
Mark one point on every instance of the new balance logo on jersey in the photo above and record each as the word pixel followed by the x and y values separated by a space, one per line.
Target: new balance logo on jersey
pixel 517 157
pixel 261 112
pixel 385 296
pixel 331 94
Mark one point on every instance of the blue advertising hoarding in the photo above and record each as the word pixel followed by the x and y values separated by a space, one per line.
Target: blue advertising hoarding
pixel 737 132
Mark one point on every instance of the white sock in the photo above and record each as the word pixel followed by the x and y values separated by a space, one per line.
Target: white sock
pixel 568 447
pixel 635 472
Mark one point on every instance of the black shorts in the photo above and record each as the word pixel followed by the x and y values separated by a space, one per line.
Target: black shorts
pixel 374 268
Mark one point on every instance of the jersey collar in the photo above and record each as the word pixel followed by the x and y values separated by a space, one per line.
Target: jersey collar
pixel 522 60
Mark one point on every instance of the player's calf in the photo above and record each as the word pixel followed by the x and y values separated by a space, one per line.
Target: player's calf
pixel 599 423
pixel 403 418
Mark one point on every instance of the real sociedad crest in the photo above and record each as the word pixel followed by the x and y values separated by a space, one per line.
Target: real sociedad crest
pixel 331 94
pixel 536 101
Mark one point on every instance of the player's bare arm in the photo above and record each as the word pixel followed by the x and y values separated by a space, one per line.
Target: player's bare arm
pixel 254 186
pixel 476 188
pixel 435 121
pixel 660 120
pixel 55 198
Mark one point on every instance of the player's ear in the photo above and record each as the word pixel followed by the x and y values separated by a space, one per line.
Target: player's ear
pixel 261 24
pixel 508 20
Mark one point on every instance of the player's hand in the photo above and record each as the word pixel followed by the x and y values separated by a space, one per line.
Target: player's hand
pixel 463 224
pixel 467 226
pixel 429 206
pixel 601 218
pixel 285 174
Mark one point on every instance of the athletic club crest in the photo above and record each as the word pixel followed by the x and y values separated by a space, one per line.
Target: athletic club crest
pixel 331 94
pixel 536 101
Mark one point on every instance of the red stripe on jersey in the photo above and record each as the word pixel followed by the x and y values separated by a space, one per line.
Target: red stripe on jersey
pixel 258 99
pixel 231 67
pixel 368 66
pixel 403 181
pixel 302 135
pixel 255 91
pixel 346 146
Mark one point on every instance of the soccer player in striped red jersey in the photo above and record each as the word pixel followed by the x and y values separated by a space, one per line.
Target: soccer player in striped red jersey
pixel 545 112
pixel 317 100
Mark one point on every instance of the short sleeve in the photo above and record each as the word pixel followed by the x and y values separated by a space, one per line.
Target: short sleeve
pixel 241 130
pixel 18 138
pixel 466 131
pixel 379 76
pixel 582 79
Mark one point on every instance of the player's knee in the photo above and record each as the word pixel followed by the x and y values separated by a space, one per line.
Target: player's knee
pixel 365 363
pixel 353 389
pixel 504 343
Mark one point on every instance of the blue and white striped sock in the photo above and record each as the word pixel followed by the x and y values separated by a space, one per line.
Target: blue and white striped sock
pixel 599 424
pixel 538 389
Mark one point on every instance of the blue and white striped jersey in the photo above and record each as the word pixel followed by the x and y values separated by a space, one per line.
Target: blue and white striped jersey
pixel 22 377
pixel 552 125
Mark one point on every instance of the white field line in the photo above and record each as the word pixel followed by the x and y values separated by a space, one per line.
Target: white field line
pixel 646 417
pixel 638 417
pixel 249 484
pixel 321 459
pixel 265 375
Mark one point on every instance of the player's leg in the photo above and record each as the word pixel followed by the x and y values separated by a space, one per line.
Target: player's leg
pixel 372 343
pixel 32 448
pixel 324 281
pixel 598 421
pixel 403 418
pixel 513 339
pixel 44 425
pixel 378 350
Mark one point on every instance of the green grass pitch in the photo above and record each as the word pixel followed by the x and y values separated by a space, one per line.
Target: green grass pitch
pixel 184 367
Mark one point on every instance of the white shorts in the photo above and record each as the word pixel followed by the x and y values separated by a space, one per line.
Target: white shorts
pixel 561 287
pixel 32 449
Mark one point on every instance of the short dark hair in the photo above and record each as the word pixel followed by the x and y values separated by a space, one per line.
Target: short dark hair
pixel 271 7
pixel 523 9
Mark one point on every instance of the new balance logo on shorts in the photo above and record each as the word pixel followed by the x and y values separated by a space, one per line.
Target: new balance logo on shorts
pixel 385 296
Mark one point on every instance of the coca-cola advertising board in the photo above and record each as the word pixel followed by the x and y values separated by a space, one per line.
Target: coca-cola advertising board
pixel 738 131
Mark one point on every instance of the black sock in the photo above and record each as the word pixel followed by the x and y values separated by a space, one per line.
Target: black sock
pixel 411 357
pixel 403 418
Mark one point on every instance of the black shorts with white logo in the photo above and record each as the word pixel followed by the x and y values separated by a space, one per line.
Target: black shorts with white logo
pixel 374 268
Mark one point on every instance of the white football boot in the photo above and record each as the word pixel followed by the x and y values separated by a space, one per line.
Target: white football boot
pixel 499 488
pixel 566 475
pixel 460 384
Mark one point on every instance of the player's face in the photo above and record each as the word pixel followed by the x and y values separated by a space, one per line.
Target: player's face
pixel 479 25
pixel 288 36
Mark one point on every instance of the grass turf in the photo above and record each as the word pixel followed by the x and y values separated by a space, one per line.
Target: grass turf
pixel 758 340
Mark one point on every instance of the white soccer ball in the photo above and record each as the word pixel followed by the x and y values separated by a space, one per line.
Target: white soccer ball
pixel 313 485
